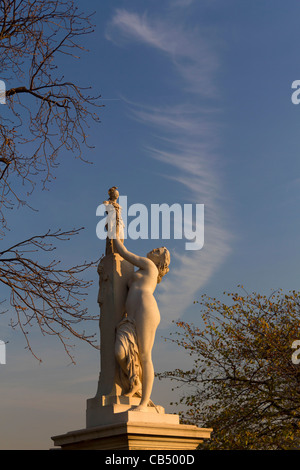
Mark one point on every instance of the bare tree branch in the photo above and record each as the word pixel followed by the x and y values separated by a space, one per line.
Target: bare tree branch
pixel 45 115
pixel 45 294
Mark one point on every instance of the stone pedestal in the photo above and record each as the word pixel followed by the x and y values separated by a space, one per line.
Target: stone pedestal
pixel 134 435
pixel 112 424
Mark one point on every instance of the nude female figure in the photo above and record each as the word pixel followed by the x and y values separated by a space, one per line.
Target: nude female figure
pixel 142 309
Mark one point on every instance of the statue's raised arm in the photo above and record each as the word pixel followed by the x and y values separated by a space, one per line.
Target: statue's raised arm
pixel 138 261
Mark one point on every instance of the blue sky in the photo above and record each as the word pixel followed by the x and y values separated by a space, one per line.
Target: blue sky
pixel 198 109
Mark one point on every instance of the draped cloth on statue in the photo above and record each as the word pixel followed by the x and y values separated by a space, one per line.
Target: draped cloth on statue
pixel 126 337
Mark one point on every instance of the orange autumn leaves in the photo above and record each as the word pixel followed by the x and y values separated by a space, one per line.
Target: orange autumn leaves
pixel 243 382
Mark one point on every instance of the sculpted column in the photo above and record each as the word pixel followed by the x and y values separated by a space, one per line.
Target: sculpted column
pixel 114 273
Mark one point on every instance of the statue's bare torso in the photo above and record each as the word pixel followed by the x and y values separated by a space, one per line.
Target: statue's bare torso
pixel 141 306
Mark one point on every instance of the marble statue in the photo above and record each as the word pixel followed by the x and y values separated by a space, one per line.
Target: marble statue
pixel 122 415
pixel 129 312
pixel 136 332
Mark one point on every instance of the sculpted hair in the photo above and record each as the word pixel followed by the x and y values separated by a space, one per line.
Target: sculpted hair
pixel 163 266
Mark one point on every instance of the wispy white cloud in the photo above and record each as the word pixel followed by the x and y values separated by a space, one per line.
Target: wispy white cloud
pixel 192 56
pixel 194 157
pixel 188 145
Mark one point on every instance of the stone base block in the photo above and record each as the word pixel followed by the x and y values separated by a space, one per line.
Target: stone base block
pixel 115 409
pixel 134 435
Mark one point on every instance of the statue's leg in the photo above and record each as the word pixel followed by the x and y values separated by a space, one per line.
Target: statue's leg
pixel 147 380
pixel 146 325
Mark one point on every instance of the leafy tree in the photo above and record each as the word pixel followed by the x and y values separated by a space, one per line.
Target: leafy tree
pixel 245 379
pixel 44 116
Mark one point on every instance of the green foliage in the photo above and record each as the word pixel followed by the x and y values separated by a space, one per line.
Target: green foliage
pixel 243 382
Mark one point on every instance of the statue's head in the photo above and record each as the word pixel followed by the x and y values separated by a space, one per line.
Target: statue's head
pixel 161 258
pixel 113 193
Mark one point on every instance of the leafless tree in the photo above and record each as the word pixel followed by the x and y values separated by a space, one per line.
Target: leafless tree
pixel 45 115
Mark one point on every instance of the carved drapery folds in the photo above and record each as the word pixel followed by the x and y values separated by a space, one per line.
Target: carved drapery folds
pixel 126 338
